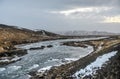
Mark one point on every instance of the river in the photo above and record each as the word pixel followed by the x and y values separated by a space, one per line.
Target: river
pixel 36 59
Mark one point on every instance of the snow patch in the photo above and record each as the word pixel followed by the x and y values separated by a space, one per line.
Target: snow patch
pixel 44 69
pixel 15 59
pixel 91 68
pixel 43 32
pixel 29 76
pixel 68 60
pixel 5 60
pixel 100 46
pixel 71 59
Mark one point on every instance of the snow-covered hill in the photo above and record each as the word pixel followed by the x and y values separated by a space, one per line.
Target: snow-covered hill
pixel 82 33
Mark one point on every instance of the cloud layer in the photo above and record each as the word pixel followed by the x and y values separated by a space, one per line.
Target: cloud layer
pixel 59 15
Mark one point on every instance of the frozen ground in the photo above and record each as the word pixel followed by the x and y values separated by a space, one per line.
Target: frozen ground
pixel 91 68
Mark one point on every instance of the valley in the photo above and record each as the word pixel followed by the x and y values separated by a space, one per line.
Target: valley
pixel 28 54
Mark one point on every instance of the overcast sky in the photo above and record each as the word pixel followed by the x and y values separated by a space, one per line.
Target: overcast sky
pixel 62 15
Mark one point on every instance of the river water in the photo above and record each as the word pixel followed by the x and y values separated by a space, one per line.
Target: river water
pixel 36 59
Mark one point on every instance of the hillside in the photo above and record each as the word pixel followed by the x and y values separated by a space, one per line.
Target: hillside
pixel 10 35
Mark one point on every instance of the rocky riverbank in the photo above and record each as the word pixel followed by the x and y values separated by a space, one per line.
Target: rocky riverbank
pixel 12 35
pixel 11 56
pixel 67 70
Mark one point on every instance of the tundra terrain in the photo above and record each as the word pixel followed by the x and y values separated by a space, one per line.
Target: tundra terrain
pixel 24 53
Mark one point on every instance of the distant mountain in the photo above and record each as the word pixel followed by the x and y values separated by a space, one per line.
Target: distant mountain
pixel 46 33
pixel 82 33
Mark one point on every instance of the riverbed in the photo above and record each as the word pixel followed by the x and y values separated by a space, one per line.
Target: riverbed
pixel 47 57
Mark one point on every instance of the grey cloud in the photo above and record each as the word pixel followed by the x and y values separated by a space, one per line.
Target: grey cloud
pixel 63 4
pixel 35 14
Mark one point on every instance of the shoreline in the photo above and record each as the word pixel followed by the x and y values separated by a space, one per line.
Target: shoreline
pixel 12 51
pixel 65 71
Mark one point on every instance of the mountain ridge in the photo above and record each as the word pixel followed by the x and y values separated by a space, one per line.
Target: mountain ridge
pixel 12 35
pixel 82 33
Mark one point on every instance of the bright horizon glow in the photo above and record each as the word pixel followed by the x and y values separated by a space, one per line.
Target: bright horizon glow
pixel 114 19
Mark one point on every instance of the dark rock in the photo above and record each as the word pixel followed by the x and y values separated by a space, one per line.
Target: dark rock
pixel 37 48
pixel 49 46
pixel 32 73
pixel 75 44
pixel 42 47
pixel 18 52
pixel 8 60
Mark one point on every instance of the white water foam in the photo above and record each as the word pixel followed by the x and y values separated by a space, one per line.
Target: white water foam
pixel 2 69
pixel 33 67
pixel 14 68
